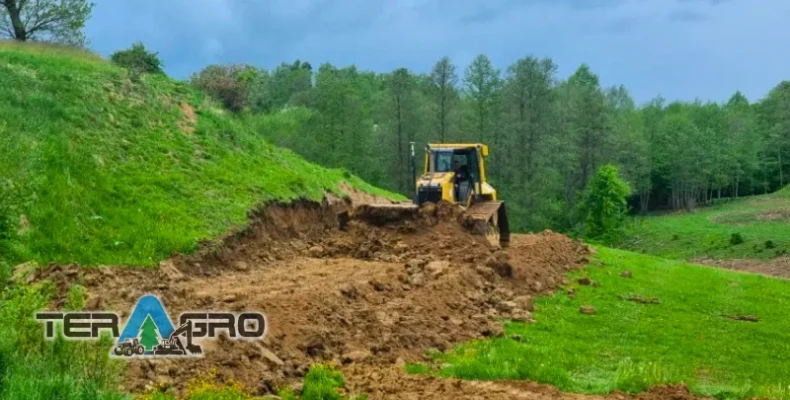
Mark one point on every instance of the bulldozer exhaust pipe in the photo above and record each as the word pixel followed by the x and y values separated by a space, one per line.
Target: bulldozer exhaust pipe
pixel 413 173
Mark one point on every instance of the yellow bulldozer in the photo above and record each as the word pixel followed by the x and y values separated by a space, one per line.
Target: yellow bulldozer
pixel 453 173
pixel 456 173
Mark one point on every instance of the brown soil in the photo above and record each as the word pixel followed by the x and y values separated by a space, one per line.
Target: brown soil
pixel 190 118
pixel 368 298
pixel 735 218
pixel 776 215
pixel 359 197
pixel 778 267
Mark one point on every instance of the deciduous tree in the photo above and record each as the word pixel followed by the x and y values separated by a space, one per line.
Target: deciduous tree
pixel 51 20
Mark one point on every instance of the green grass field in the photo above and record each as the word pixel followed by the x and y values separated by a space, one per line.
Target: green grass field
pixel 631 346
pixel 763 222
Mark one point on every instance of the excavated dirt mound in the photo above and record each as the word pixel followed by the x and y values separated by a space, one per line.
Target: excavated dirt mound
pixel 368 298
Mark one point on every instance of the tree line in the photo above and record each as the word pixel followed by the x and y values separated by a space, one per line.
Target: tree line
pixel 547 135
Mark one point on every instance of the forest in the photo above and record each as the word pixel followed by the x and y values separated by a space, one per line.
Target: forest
pixel 547 134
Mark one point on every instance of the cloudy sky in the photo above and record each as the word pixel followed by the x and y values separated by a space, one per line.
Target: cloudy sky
pixel 680 49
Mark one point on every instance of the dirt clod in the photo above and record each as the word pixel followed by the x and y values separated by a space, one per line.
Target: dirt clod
pixel 506 306
pixel 316 251
pixel 626 274
pixel 525 302
pixel 520 315
pixel 587 310
pixel 356 356
pixel 437 268
pixel 268 355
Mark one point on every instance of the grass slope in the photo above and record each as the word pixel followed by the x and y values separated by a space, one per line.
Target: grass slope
pixel 761 221
pixel 101 169
pixel 631 346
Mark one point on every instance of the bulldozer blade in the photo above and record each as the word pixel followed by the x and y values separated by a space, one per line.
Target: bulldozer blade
pixel 382 214
pixel 487 215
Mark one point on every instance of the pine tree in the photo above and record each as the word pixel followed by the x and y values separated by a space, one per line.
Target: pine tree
pixel 149 334
pixel 444 79
pixel 481 80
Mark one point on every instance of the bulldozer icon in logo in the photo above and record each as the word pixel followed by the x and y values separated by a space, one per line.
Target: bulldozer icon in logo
pixel 128 348
pixel 150 332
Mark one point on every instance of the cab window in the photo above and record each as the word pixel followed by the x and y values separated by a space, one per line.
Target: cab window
pixel 443 161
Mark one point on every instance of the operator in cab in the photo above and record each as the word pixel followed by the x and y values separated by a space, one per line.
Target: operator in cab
pixel 461 181
pixel 461 173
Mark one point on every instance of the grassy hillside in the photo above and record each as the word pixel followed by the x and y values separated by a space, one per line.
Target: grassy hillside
pixel 628 345
pixel 98 168
pixel 756 227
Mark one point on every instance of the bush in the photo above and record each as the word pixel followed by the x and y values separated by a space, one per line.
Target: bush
pixel 138 60
pixel 736 239
pixel 604 205
pixel 231 84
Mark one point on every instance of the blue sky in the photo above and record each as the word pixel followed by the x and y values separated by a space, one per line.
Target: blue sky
pixel 680 49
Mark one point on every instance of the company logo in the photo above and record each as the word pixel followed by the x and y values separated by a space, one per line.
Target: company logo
pixel 149 331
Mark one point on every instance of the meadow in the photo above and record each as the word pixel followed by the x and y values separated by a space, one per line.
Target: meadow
pixel 670 322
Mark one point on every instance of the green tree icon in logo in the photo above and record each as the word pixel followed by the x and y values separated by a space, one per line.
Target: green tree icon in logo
pixel 149 334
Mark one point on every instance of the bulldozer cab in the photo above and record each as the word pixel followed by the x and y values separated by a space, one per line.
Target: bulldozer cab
pixel 456 173
pixel 464 163
pixel 443 159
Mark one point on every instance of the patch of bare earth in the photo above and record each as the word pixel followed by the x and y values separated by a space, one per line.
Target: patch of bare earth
pixel 391 382
pixel 189 122
pixel 741 218
pixel 778 267
pixel 368 298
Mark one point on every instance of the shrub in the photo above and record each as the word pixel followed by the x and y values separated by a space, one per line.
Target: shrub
pixel 604 205
pixel 736 239
pixel 138 60
pixel 231 84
